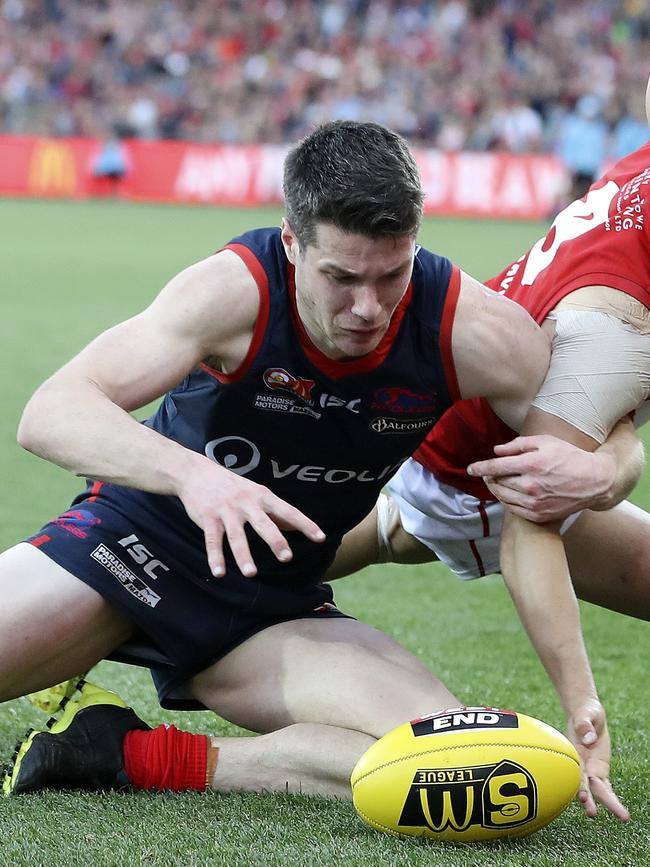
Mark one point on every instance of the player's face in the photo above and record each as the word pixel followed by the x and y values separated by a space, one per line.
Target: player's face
pixel 348 286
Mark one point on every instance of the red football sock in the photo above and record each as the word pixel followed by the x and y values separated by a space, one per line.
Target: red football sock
pixel 169 759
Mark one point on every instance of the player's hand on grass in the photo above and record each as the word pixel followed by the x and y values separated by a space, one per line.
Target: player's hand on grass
pixel 543 478
pixel 223 503
pixel 589 734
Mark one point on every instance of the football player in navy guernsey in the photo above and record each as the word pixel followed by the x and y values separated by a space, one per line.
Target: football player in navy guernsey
pixel 301 366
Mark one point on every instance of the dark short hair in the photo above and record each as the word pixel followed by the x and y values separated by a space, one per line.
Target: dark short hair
pixel 360 177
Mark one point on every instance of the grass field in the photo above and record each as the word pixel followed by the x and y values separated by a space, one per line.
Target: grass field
pixel 71 269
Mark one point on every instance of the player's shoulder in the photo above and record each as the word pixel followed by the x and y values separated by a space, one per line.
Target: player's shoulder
pixel 237 263
pixel 262 246
pixel 487 325
pixel 431 266
pixel 434 281
pixel 496 344
pixel 221 274
pixel 217 297
pixel 485 308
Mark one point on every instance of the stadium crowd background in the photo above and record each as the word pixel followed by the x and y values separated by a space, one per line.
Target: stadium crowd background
pixel 537 76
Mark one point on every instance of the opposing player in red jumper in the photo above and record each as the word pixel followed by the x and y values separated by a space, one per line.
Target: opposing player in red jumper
pixel 588 283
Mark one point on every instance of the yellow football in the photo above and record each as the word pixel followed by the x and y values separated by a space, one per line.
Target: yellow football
pixel 468 774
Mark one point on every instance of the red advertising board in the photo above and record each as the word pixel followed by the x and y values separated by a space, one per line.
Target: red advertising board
pixel 462 184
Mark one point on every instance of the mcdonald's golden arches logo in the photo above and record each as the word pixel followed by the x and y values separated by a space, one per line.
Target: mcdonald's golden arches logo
pixel 52 170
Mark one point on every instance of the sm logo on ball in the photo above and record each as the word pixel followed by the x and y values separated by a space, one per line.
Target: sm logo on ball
pixel 496 796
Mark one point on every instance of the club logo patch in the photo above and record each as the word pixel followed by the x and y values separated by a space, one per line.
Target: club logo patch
pixel 403 400
pixel 496 796
pixel 278 378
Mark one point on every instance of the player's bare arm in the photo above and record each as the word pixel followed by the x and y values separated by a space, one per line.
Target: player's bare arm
pixel 534 567
pixel 627 454
pixel 545 478
pixel 533 559
pixel 599 372
pixel 499 352
pixel 79 418
pixel 501 338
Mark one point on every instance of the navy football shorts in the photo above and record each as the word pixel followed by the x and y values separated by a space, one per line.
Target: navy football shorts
pixel 156 573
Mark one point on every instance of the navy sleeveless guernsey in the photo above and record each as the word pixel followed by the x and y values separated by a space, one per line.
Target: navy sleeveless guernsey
pixel 324 435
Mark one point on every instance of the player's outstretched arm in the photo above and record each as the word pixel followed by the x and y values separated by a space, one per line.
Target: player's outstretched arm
pixel 502 355
pixel 544 478
pixel 80 417
pixel 535 570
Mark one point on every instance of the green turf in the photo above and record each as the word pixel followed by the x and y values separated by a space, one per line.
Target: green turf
pixel 70 269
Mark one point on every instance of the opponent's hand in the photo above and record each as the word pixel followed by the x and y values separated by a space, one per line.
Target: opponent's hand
pixel 587 729
pixel 543 478
pixel 222 503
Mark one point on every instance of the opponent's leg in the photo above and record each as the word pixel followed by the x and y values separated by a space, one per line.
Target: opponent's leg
pixel 359 548
pixel 52 626
pixel 379 538
pixel 609 559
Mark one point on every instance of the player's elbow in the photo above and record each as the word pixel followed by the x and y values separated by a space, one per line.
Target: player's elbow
pixel 27 433
pixel 34 424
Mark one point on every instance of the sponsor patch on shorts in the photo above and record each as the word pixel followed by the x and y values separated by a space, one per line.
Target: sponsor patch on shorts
pixel 135 585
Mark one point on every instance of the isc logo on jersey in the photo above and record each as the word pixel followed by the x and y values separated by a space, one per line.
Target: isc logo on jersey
pixel 465 775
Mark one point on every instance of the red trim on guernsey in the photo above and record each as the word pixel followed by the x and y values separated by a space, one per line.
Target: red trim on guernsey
pixel 331 367
pixel 259 274
pixel 477 557
pixel 484 518
pixel 94 491
pixel 446 326
pixel 40 540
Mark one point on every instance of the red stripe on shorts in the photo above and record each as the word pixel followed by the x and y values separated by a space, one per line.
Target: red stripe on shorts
pixel 477 557
pixel 94 491
pixel 484 519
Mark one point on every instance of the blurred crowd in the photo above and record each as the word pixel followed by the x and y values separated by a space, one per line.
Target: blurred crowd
pixel 519 75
